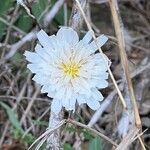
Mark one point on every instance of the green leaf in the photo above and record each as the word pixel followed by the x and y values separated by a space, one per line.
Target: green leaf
pixel 24 22
pixel 67 146
pixel 79 118
pixel 17 134
pixel 70 128
pixel 38 7
pixel 29 139
pixel 87 134
pixel 12 116
pixel 17 59
pixel 40 123
pixel 59 18
pixel 5 5
pixel 2 29
pixel 95 144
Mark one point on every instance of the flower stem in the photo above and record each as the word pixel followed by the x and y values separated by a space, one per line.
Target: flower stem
pixel 53 141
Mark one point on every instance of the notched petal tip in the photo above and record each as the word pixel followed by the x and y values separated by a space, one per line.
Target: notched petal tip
pixel 101 40
pixel 93 104
pixel 41 32
pixel 29 55
pixel 104 38
pixel 26 53
pixel 44 39
pixel 38 47
pixel 41 35
pixel 88 37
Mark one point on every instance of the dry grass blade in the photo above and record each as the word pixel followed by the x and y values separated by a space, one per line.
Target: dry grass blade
pixel 42 136
pixel 28 130
pixel 48 132
pixel 121 43
pixel 41 143
pixel 128 139
pixel 29 105
pixel 138 136
pixel 142 144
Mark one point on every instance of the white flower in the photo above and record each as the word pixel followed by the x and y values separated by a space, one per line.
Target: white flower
pixel 69 70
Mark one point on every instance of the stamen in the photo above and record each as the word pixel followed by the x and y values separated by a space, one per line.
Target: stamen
pixel 71 69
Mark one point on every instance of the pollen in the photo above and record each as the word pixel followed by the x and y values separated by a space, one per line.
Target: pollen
pixel 71 69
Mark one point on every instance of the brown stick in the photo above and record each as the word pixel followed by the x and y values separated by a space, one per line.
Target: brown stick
pixel 124 61
pixel 118 25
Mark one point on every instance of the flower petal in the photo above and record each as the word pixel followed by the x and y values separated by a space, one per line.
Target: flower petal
pixel 71 104
pixel 43 53
pixel 40 68
pixel 92 103
pixel 81 99
pixel 101 40
pixel 41 79
pixel 68 35
pixel 87 38
pixel 30 56
pixel 43 38
pixel 101 84
pixel 97 95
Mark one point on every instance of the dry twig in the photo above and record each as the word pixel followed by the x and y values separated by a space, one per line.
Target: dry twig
pixel 92 130
pixel 29 105
pixel 124 61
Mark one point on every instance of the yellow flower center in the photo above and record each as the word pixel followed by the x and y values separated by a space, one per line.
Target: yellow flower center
pixel 71 69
